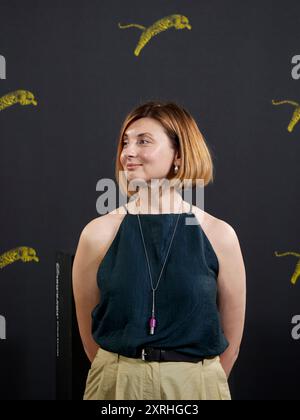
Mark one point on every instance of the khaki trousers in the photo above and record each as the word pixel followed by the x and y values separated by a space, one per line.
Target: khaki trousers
pixel 116 377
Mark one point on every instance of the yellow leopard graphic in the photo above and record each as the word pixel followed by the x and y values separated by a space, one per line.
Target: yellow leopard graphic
pixel 297 270
pixel 296 115
pixel 22 253
pixel 176 21
pixel 23 97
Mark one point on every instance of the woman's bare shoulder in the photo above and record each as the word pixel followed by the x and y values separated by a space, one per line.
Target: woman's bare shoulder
pixel 100 230
pixel 219 232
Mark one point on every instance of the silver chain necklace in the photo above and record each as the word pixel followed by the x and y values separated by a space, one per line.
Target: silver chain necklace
pixel 152 320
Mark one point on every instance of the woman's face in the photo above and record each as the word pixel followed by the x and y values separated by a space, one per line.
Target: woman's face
pixel 146 143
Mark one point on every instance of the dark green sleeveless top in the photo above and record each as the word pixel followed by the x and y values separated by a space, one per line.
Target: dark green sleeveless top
pixel 185 300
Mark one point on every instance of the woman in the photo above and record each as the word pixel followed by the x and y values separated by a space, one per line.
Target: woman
pixel 169 307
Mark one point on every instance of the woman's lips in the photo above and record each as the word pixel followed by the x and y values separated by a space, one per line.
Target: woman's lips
pixel 131 167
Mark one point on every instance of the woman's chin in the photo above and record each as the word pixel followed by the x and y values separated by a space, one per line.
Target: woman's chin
pixel 132 177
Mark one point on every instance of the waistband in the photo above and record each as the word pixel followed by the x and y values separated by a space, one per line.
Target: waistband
pixel 152 354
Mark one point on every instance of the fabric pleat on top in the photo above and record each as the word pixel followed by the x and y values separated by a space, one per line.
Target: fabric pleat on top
pixel 186 309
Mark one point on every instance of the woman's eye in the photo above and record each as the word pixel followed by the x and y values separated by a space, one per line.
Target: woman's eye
pixel 142 140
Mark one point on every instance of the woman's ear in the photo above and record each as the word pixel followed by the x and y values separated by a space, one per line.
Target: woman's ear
pixel 177 159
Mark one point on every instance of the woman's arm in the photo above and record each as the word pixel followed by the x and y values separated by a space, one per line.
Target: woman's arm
pixel 85 289
pixel 231 293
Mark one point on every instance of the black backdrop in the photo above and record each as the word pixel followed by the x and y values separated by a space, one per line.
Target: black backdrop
pixel 83 72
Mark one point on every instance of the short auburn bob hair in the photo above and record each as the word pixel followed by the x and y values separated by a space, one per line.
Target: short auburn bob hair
pixel 181 128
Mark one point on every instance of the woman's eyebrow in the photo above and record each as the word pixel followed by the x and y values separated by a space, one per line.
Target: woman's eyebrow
pixel 140 135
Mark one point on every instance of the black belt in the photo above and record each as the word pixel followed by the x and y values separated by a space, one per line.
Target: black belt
pixel 151 354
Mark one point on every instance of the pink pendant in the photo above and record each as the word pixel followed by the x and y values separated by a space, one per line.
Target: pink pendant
pixel 152 324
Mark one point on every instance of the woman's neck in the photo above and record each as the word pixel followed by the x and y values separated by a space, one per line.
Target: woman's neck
pixel 165 202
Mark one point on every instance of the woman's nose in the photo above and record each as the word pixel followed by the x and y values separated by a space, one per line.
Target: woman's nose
pixel 130 150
